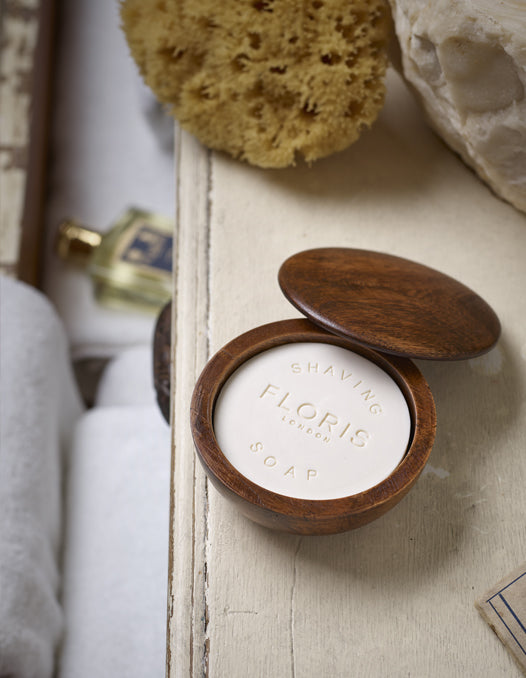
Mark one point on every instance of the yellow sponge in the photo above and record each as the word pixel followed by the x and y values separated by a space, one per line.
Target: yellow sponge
pixel 264 80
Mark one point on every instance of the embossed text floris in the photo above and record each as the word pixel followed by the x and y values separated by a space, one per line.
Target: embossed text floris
pixel 317 421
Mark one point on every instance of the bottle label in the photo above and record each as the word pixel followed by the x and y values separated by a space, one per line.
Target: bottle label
pixel 149 247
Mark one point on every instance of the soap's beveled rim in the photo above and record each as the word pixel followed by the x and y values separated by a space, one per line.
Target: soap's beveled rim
pixel 308 516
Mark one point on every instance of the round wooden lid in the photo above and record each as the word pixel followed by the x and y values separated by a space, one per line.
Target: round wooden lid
pixel 390 304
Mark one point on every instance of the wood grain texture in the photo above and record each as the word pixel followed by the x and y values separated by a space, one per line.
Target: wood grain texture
pixel 389 303
pixel 395 597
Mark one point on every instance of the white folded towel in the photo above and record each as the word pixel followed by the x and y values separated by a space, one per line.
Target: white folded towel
pixel 39 404
pixel 128 379
pixel 116 556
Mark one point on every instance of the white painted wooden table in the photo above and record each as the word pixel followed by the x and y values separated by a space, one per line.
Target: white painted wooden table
pixel 394 598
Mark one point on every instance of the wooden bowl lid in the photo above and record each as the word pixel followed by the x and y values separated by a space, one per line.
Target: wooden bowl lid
pixel 390 304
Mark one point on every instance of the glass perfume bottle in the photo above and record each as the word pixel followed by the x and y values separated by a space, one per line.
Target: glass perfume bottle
pixel 130 265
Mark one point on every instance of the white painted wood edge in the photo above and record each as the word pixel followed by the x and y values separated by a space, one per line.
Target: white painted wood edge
pixel 186 642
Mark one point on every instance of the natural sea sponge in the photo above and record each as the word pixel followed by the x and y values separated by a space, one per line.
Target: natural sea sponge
pixel 264 80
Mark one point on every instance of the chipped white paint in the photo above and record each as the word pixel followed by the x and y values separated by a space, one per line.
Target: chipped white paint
pixel 18 32
pixel 438 472
pixel 490 364
pixel 307 607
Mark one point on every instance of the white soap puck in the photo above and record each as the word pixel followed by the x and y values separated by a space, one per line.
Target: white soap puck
pixel 312 421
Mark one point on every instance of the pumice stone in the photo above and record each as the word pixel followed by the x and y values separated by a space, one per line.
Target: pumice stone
pixel 466 61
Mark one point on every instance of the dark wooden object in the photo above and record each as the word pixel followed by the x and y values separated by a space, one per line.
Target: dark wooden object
pixel 303 516
pixel 161 359
pixel 383 307
pixel 391 304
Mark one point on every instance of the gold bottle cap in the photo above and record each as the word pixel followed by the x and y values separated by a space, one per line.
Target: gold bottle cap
pixel 76 243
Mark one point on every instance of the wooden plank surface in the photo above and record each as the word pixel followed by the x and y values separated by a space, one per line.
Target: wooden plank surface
pixel 26 32
pixel 187 601
pixel 395 598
